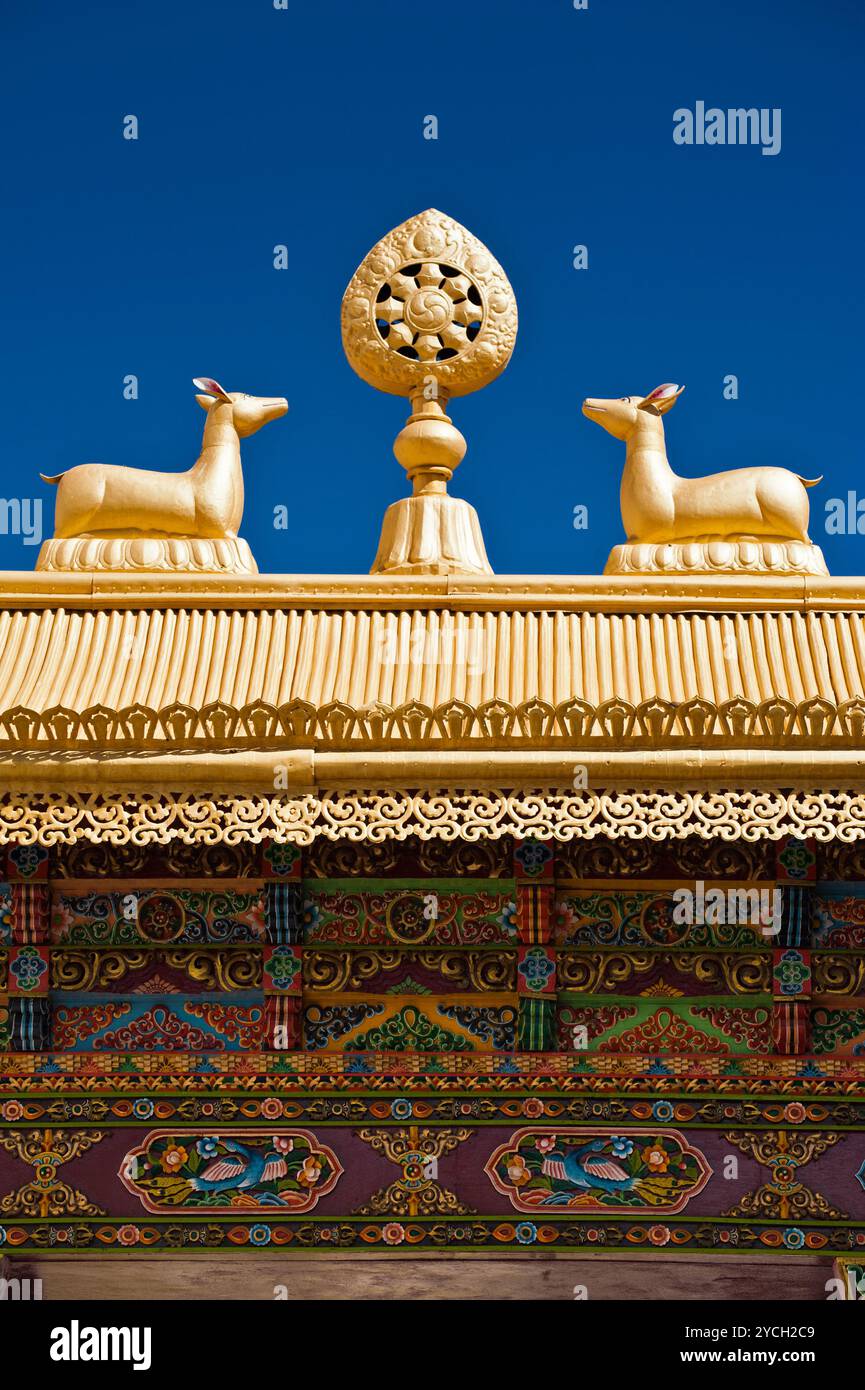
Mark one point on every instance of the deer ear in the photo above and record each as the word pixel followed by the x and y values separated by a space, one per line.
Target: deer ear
pixel 663 398
pixel 213 388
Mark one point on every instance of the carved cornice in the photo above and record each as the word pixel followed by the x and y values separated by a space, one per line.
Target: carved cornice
pixel 58 818
pixel 573 724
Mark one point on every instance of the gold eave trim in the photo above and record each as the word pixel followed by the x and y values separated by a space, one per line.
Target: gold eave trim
pixel 307 770
pixel 496 724
pixel 514 593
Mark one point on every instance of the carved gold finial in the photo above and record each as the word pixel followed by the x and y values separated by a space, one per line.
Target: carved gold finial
pixel 429 314
pixel 747 520
pixel 113 518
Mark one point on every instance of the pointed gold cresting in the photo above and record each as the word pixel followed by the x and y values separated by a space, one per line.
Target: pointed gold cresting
pixel 429 314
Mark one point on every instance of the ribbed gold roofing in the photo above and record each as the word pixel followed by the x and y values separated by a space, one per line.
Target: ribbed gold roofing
pixel 118 657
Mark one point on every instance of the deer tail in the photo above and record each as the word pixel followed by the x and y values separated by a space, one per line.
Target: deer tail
pixel 809 482
pixel 55 479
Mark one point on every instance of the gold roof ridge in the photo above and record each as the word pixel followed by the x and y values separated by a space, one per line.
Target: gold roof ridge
pixel 733 592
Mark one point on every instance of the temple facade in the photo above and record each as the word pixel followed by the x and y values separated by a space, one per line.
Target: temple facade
pixel 432 910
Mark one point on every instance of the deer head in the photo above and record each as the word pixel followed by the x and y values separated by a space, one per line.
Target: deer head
pixel 248 413
pixel 623 417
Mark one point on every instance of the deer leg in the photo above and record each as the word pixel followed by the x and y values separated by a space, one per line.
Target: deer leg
pixel 73 513
pixel 783 505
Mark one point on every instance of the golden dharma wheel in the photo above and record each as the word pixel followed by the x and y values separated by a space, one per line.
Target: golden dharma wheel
pixel 429 303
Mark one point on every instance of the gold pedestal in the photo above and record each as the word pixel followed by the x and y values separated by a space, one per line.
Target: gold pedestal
pixel 173 554
pixel 718 555
pixel 431 534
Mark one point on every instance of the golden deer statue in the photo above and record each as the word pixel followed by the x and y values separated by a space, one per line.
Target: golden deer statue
pixel 740 507
pixel 206 501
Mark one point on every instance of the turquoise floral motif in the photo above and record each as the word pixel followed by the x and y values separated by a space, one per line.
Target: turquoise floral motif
pixel 311 915
pixel 282 858
pixel 5 912
pixel 622 1148
pixel 792 972
pixel 533 856
pixel 28 967
pixel 796 859
pixel 662 1110
pixel 526 1232
pixel 536 969
pixel 27 858
pixel 508 918
pixel 283 967
pixel 793 1238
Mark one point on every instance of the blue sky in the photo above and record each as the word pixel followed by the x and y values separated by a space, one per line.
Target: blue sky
pixel 304 127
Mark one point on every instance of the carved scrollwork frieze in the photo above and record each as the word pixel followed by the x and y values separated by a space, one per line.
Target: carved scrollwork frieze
pixel 166 818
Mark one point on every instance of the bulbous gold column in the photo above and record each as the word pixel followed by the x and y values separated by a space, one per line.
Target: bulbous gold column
pixel 430 532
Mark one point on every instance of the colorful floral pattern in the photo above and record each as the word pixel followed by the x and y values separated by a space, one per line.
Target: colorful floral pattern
pixel 419 1026
pixel 617 917
pixel 181 917
pixel 344 913
pixel 401 1037
pixel 141 1024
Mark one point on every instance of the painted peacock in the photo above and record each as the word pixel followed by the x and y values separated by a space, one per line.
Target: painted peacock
pixel 587 1168
pixel 238 1169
